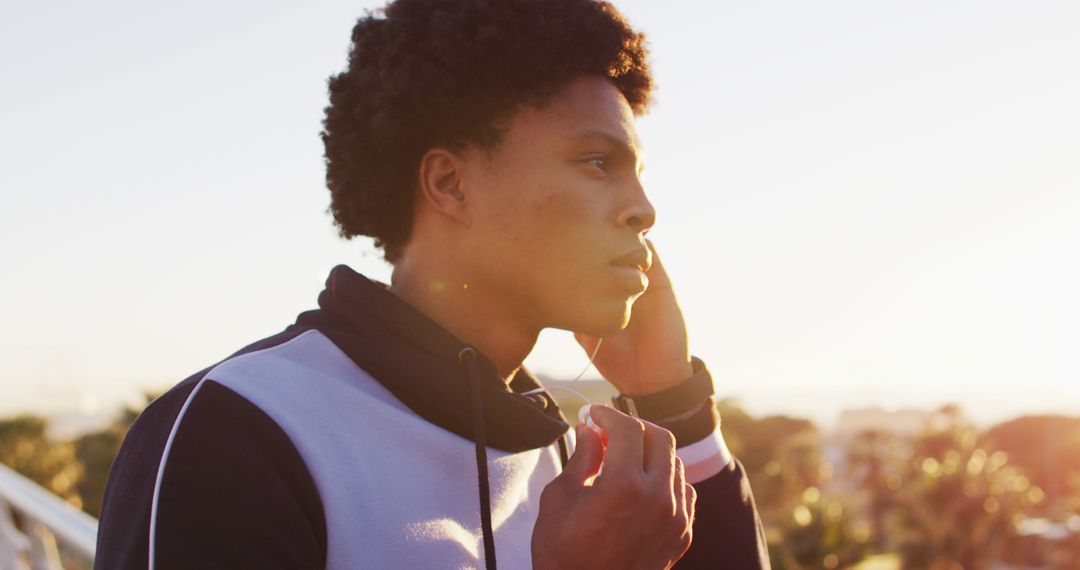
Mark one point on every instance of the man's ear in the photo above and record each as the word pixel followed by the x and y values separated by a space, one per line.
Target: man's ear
pixel 442 184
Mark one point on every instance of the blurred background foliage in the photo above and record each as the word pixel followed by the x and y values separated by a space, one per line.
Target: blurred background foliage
pixel 75 470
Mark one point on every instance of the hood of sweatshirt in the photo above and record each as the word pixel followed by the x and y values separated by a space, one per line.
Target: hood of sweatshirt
pixel 438 376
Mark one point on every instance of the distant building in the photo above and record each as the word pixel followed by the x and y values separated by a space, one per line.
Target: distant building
pixel 903 425
pixel 64 426
pixel 900 423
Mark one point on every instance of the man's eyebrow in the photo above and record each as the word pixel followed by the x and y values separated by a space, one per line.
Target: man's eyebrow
pixel 622 144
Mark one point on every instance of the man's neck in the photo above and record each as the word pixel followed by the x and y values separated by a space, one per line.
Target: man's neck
pixel 467 311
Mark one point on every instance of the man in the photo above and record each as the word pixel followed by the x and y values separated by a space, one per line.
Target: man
pixel 489 148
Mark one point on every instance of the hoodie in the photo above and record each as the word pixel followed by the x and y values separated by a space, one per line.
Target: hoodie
pixel 366 435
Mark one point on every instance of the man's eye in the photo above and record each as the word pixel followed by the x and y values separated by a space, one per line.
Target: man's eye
pixel 599 161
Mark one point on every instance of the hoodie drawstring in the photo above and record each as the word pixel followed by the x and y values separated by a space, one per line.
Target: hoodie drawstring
pixel 468 357
pixel 564 454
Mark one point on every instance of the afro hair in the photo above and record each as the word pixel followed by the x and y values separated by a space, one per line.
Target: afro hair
pixel 427 73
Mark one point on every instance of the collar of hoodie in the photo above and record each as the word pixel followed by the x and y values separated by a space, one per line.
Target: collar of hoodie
pixel 439 377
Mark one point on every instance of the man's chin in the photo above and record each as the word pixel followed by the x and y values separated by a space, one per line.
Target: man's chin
pixel 601 323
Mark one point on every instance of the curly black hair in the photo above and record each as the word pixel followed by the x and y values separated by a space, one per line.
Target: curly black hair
pixel 426 73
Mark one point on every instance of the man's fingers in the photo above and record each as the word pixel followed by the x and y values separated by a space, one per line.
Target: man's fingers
pixel 625 440
pixel 682 493
pixel 691 502
pixel 679 488
pixel 588 454
pixel 686 499
pixel 658 277
pixel 659 453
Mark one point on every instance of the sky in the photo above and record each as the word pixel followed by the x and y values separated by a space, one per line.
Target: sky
pixel 859 203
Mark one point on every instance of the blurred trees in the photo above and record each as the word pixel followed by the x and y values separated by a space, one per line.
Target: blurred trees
pixel 1047 448
pixel 25 447
pixel 76 470
pixel 949 498
pixel 781 454
pixel 957 502
pixel 818 533
pixel 783 457
pixel 874 462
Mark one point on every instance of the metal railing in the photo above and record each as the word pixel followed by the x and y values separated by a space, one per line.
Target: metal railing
pixel 33 521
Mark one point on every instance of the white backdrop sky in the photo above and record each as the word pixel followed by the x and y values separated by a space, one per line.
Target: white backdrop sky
pixel 860 203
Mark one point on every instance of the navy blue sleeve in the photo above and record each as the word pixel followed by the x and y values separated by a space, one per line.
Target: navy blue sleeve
pixel 727 529
pixel 235 492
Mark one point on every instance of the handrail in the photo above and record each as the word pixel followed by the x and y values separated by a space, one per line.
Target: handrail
pixel 73 528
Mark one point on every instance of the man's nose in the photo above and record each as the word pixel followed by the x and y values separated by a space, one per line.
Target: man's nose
pixel 640 216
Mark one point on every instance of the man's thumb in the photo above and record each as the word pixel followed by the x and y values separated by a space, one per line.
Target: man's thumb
pixel 588 454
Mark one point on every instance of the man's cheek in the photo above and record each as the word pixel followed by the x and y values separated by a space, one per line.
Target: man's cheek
pixel 564 211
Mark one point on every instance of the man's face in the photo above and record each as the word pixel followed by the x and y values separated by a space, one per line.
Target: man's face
pixel 559 203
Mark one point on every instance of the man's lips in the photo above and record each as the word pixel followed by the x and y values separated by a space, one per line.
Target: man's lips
pixel 632 268
pixel 639 258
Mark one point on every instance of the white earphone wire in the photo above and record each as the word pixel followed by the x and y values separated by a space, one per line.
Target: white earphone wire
pixel 577 393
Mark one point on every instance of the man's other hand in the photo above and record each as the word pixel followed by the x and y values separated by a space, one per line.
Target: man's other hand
pixel 638 513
